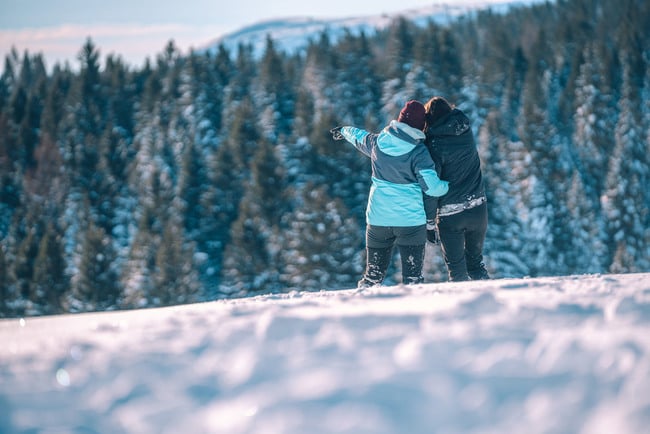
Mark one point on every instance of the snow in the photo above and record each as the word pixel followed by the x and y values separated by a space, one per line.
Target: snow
pixel 538 355
pixel 292 34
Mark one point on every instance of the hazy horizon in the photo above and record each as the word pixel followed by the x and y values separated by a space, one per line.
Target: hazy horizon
pixel 137 30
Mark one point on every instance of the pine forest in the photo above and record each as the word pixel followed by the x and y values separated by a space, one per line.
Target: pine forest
pixel 213 174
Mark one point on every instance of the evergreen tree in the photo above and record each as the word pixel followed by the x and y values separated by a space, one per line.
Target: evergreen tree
pixel 645 98
pixel 587 252
pixel 90 98
pixel 7 79
pixel 504 172
pixel 624 199
pixel 517 70
pixel 242 140
pixel 219 206
pixel 339 166
pixel 50 281
pixel 120 98
pixel 593 130
pixel 95 286
pixel 305 103
pixel 224 67
pixel 317 90
pixel 323 245
pixel 208 80
pixel 229 172
pixel 174 279
pixel 10 194
pixel 56 96
pixel 448 63
pixel 33 77
pixel 251 258
pixel 81 131
pixel 240 85
pixel 138 271
pixel 551 163
pixel 276 96
pixel 399 48
pixel 44 185
pixel 247 264
pixel 4 284
pixel 358 83
pixel 23 266
pixel 192 179
pixel 19 133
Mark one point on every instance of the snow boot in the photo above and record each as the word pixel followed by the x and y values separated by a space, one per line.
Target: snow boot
pixel 479 274
pixel 376 265
pixel 412 261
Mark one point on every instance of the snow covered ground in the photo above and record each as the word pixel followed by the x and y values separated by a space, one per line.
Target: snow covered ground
pixel 546 355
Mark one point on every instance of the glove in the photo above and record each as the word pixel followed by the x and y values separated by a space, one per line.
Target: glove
pixel 433 236
pixel 336 133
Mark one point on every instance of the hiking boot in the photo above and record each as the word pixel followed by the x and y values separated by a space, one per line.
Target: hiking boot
pixel 480 274
pixel 413 280
pixel 366 283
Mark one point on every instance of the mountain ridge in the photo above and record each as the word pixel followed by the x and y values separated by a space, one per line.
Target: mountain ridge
pixel 293 34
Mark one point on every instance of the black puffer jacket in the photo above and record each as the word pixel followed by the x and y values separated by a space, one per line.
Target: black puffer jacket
pixel 451 144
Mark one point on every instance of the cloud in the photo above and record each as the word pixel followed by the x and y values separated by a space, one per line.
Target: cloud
pixel 134 43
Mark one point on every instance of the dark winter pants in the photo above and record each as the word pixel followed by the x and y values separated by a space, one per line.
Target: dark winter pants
pixel 379 247
pixel 462 236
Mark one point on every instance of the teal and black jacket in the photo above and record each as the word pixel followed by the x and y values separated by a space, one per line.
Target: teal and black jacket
pixel 402 169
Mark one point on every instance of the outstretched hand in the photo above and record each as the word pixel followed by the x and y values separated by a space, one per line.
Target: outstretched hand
pixel 336 133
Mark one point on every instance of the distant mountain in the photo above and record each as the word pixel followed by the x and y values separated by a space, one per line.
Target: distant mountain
pixel 293 34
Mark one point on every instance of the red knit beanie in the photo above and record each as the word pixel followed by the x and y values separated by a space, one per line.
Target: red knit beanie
pixel 413 114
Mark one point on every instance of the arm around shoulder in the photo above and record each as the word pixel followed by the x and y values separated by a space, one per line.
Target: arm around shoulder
pixel 435 186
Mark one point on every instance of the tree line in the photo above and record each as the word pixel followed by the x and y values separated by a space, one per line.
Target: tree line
pixel 213 175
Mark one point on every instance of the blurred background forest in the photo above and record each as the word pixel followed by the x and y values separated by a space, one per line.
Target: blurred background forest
pixel 212 174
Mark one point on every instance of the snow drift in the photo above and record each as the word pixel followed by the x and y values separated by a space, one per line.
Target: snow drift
pixel 561 354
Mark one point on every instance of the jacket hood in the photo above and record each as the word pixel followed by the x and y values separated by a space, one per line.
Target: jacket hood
pixel 454 124
pixel 399 138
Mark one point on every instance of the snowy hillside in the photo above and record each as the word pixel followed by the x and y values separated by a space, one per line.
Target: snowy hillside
pixel 560 355
pixel 292 34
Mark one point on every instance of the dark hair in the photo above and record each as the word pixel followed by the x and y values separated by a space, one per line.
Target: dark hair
pixel 436 108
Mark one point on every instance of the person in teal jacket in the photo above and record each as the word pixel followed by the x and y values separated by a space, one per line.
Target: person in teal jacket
pixel 402 169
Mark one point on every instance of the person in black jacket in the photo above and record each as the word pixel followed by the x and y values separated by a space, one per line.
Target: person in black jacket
pixel 459 218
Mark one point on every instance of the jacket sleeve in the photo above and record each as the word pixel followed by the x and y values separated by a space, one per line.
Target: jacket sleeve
pixel 426 173
pixel 360 138
pixel 430 206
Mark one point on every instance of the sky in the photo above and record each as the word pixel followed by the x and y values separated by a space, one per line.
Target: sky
pixel 536 355
pixel 139 29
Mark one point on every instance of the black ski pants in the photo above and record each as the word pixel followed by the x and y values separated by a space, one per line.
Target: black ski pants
pixel 462 236
pixel 380 241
